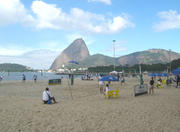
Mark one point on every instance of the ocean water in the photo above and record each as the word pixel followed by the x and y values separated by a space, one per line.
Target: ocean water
pixel 12 76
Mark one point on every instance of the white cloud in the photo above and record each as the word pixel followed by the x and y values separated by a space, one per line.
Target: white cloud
pixel 37 59
pixel 53 45
pixel 13 50
pixel 33 57
pixel 13 11
pixel 45 15
pixel 49 16
pixel 107 2
pixel 170 20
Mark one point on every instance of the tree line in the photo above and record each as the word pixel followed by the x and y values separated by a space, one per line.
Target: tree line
pixel 135 68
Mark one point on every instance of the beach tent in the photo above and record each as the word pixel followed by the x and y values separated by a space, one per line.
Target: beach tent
pixel 164 74
pixel 109 78
pixel 176 71
pixel 114 72
pixel 158 74
pixel 152 74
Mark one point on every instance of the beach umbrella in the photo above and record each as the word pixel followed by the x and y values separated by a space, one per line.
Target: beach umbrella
pixel 73 61
pixel 176 71
pixel 114 72
pixel 109 78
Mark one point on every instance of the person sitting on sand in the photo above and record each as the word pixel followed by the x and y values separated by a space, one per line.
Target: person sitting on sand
pixel 151 89
pixel 47 96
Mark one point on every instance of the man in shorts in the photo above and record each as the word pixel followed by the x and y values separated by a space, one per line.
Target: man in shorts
pixel 151 89
pixel 101 85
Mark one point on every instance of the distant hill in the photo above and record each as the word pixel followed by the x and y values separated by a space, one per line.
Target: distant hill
pixel 77 51
pixel 13 67
pixel 97 60
pixel 152 56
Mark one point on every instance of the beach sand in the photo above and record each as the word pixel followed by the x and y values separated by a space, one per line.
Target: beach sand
pixel 22 110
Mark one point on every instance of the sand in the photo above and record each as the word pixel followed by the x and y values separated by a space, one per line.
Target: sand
pixel 21 108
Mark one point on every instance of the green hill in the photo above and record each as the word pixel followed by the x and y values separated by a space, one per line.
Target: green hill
pixel 97 60
pixel 14 67
pixel 152 56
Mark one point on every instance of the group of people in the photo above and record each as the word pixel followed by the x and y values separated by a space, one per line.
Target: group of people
pixel 107 87
pixel 159 82
pixel 34 78
pixel 101 86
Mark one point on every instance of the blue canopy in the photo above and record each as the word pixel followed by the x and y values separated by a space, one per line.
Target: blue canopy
pixel 158 74
pixel 109 78
pixel 152 74
pixel 176 71
pixel 165 75
pixel 73 61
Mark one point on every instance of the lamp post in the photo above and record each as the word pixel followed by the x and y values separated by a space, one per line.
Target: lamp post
pixel 114 52
pixel 169 60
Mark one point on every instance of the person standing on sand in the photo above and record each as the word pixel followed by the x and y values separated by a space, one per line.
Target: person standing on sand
pixel 47 97
pixel 23 78
pixel 1 78
pixel 101 85
pixel 35 78
pixel 107 89
pixel 177 81
pixel 122 81
pixel 151 89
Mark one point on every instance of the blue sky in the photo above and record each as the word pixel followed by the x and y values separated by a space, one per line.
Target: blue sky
pixel 37 26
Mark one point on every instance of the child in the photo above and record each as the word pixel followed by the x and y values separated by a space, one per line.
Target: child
pixel 107 89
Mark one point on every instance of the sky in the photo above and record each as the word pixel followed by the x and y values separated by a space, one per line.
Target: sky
pixel 35 32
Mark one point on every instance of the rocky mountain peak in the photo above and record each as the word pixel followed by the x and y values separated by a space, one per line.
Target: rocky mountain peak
pixel 77 51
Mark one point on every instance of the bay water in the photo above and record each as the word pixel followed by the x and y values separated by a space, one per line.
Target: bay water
pixel 12 76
